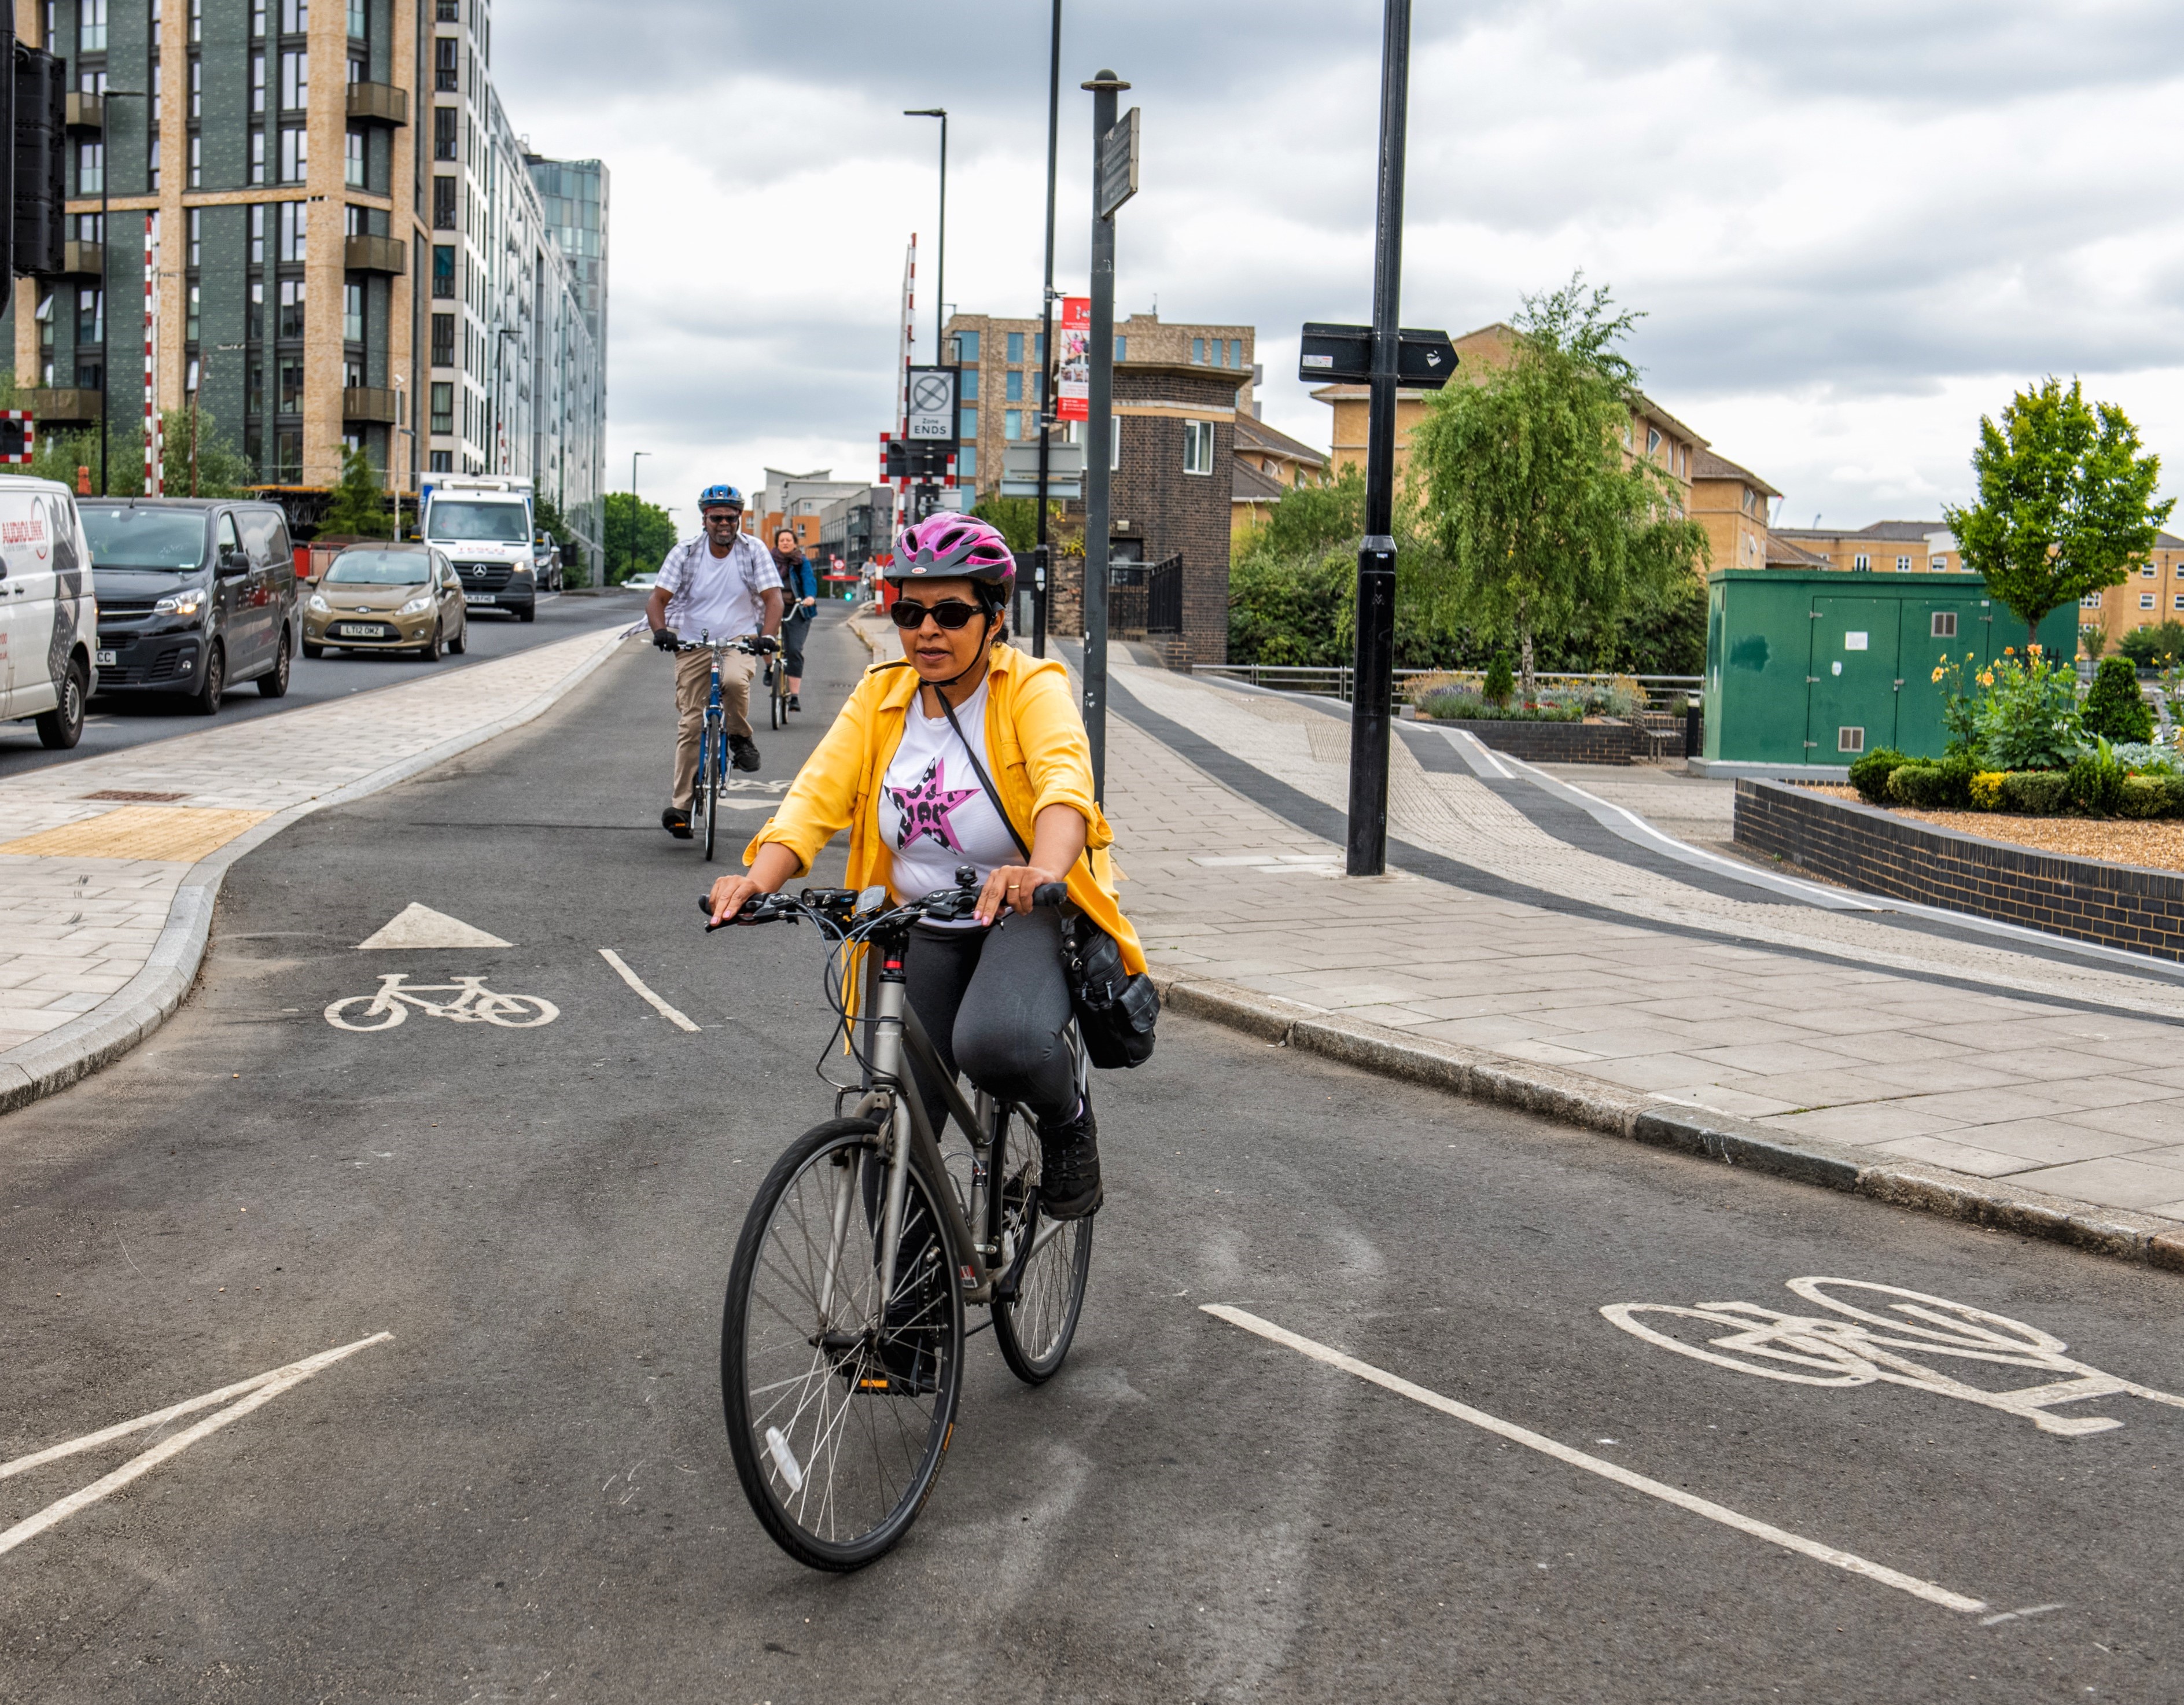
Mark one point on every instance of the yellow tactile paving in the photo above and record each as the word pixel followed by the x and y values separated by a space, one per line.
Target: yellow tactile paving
pixel 180 834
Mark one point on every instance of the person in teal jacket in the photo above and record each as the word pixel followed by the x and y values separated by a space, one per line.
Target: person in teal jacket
pixel 799 594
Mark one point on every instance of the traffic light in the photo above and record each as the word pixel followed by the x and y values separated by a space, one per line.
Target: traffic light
pixel 36 229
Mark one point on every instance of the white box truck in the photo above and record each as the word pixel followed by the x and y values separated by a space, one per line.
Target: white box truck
pixel 484 522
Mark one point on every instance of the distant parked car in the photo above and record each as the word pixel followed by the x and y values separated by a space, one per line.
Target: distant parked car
pixel 642 582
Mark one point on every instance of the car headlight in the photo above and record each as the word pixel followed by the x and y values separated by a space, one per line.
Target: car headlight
pixel 417 605
pixel 317 605
pixel 181 603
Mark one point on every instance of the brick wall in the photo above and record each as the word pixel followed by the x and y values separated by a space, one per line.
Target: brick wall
pixel 2117 906
pixel 1167 509
pixel 1561 742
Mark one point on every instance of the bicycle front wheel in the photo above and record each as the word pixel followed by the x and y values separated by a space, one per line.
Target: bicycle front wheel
pixel 1033 1326
pixel 839 1401
pixel 709 783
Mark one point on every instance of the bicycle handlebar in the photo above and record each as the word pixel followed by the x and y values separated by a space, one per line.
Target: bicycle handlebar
pixel 756 644
pixel 838 906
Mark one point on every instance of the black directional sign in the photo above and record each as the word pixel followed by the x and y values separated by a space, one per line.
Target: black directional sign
pixel 1118 164
pixel 1342 354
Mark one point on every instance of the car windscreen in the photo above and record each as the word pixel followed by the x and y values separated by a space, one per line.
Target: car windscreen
pixel 379 568
pixel 477 523
pixel 125 537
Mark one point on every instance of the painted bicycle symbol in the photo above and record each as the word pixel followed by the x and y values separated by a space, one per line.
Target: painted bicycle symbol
pixel 1853 1345
pixel 474 1003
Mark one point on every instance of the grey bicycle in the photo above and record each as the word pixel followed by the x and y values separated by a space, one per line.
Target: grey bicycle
pixel 842 1337
pixel 712 778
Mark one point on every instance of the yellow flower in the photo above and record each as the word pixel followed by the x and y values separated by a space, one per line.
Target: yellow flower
pixel 2009 651
pixel 1937 675
pixel 1986 678
pixel 2032 650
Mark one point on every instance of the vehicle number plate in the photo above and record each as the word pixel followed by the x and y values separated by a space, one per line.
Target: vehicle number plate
pixel 357 629
pixel 480 597
pixel 106 660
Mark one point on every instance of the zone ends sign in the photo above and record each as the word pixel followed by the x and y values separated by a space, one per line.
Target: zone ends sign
pixel 930 415
pixel 19 435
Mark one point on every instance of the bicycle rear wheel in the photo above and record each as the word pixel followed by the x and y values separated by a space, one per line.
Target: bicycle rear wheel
pixel 774 700
pixel 839 1402
pixel 1033 1329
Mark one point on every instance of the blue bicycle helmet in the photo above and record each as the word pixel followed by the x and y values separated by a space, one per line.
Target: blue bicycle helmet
pixel 719 497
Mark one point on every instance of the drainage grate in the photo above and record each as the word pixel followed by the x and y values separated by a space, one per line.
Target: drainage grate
pixel 129 796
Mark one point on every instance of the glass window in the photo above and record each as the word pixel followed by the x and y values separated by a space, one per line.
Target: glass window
pixel 90 314
pixel 450 11
pixel 258 82
pixel 1015 384
pixel 292 307
pixel 443 406
pixel 967 462
pixel 1904 565
pixel 443 270
pixel 90 168
pixel 352 159
pixel 1652 441
pixel 292 229
pixel 152 165
pixel 967 426
pixel 1016 345
pixel 258 157
pixel 197 88
pixel 2146 600
pixel 444 203
pixel 291 384
pixel 446 64
pixel 1861 561
pixel 295 154
pixel 477 523
pixel 443 133
pixel 443 340
pixel 353 312
pixel 257 21
pixel 442 461
pixel 966 347
pixel 970 392
pixel 190 326
pixel 125 536
pixel 295 80
pixel 258 233
pixel 1198 447
pixel 253 312
pixel 295 17
pixel 197 162
pixel 1198 351
pixel 91 26
pixel 359 25
pixel 193 229
pixel 1122 349
pixel 1012 424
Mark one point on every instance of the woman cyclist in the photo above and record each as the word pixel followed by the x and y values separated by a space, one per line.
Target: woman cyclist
pixel 906 769
pixel 799 592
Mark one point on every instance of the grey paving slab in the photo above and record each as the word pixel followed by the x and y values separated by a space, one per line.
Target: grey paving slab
pixel 1883 1121
pixel 2117 1180
pixel 1963 1157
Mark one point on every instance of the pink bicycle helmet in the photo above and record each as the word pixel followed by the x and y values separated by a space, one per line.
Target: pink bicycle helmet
pixel 953 547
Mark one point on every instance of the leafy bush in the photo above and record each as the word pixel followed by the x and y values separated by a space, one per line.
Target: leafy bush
pixel 2144 796
pixel 1499 681
pixel 1946 786
pixel 2146 646
pixel 2144 758
pixel 2114 708
pixel 1869 774
pixel 1987 790
pixel 2036 793
pixel 2029 718
pixel 1461 704
pixel 2096 783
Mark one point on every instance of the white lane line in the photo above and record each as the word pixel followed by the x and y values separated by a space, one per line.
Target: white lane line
pixel 1611 1471
pixel 636 982
pixel 261 1390
pixel 2013 1615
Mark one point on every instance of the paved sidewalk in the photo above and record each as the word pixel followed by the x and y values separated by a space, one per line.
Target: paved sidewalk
pixel 97 858
pixel 1860 1028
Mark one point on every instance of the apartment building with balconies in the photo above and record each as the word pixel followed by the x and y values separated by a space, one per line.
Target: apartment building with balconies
pixel 291 169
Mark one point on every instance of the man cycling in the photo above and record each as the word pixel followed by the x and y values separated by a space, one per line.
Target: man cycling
pixel 722 585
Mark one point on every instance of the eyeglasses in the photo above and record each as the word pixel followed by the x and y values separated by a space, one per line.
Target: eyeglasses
pixel 950 613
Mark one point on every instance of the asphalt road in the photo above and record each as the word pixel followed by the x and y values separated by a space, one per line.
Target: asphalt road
pixel 118 720
pixel 524 1493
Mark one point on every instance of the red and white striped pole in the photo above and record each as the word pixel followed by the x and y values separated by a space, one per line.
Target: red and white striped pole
pixel 153 483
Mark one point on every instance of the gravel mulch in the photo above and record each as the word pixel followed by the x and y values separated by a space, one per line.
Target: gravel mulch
pixel 2156 844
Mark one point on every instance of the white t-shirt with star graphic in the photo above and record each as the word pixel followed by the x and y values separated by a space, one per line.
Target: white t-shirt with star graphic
pixel 934 815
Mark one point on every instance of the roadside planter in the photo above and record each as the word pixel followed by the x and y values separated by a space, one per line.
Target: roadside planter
pixel 1806 671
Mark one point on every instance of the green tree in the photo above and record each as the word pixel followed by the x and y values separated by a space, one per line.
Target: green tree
pixel 639 536
pixel 1308 520
pixel 1018 518
pixel 1548 525
pixel 358 508
pixel 2114 708
pixel 2158 645
pixel 2065 504
pixel 555 526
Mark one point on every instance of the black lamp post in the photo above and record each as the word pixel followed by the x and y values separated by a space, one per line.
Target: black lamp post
pixel 940 261
pixel 105 358
pixel 1042 558
pixel 631 555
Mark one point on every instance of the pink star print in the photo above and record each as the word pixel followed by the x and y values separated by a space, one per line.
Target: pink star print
pixel 925 807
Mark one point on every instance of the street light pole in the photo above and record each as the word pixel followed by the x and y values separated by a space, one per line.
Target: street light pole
pixel 940 261
pixel 1372 678
pixel 105 358
pixel 630 556
pixel 1044 570
pixel 1100 430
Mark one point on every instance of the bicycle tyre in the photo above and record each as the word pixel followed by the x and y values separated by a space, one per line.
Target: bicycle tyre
pixel 700 816
pixel 709 781
pixel 1034 1331
pixel 395 1009
pixel 777 1367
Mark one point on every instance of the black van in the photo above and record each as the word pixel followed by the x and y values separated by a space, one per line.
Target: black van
pixel 195 595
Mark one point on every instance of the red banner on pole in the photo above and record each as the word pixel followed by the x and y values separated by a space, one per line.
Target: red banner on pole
pixel 1073 390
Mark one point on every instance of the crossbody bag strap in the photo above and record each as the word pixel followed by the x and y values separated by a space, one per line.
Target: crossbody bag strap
pixel 978 769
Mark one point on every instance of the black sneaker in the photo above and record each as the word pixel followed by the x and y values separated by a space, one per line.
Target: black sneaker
pixel 676 823
pixel 795 701
pixel 743 751
pixel 1069 1165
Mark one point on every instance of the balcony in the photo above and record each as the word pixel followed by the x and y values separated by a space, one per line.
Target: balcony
pixel 84 259
pixel 62 405
pixel 375 254
pixel 368 402
pixel 85 112
pixel 379 103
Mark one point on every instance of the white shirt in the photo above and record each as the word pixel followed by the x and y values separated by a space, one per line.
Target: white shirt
pixel 933 813
pixel 722 596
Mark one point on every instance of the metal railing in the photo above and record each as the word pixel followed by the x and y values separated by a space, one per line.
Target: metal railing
pixel 1164 595
pixel 1663 693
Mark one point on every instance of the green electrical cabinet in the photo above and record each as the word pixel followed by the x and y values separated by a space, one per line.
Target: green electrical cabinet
pixel 1808 670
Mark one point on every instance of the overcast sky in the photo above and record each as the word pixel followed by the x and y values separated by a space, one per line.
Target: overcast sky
pixel 1852 226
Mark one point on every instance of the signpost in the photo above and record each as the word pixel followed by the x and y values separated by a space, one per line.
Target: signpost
pixel 1114 182
pixel 19 435
pixel 1064 464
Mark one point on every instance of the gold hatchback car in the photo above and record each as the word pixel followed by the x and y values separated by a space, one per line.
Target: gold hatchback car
pixel 387 597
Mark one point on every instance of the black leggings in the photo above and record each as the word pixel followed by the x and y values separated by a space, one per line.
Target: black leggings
pixel 995 1004
pixel 791 644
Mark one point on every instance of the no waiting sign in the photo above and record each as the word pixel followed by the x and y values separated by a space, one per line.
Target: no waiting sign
pixel 931 416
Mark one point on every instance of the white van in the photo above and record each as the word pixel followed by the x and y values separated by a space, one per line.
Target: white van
pixel 484 523
pixel 48 619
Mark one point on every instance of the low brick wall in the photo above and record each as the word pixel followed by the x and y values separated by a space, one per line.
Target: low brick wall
pixel 1563 743
pixel 1864 846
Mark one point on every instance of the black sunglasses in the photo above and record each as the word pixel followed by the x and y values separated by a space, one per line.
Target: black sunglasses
pixel 950 613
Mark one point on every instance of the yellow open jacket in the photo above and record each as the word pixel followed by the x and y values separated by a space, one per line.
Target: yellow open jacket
pixel 1035 744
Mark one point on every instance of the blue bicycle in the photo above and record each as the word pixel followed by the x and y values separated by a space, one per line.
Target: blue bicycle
pixel 712 780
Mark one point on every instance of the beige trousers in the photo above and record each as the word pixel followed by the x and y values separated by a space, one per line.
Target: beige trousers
pixel 694 687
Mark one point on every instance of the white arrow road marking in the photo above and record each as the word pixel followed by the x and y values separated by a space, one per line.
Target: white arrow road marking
pixel 1594 1465
pixel 255 1393
pixel 679 1019
pixel 420 926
